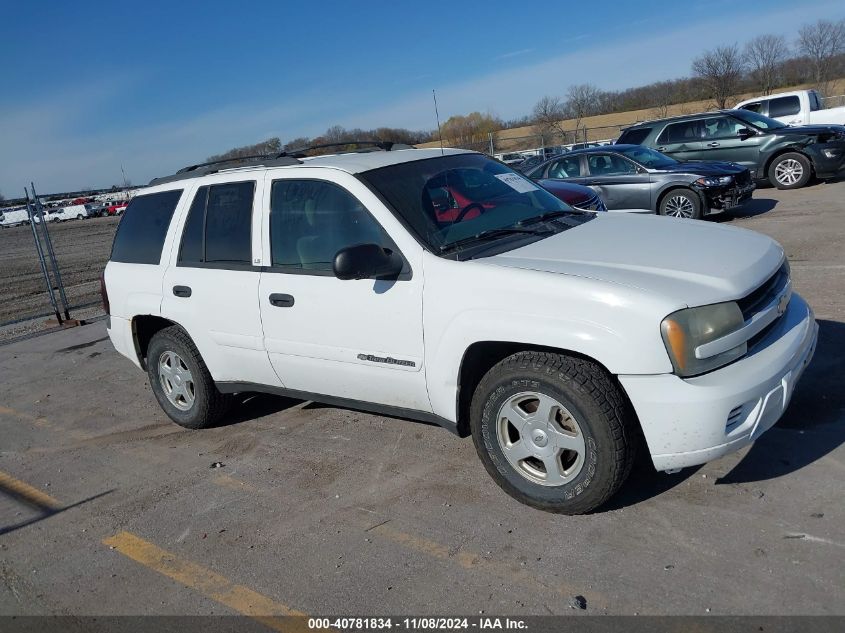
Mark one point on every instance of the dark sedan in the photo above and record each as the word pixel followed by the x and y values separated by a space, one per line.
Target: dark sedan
pixel 639 179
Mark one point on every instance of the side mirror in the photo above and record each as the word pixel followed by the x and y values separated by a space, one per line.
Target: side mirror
pixel 745 133
pixel 366 261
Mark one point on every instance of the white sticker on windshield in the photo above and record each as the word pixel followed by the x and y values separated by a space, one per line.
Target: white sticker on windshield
pixel 517 183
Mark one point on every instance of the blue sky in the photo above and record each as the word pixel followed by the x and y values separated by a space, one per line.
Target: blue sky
pixel 87 86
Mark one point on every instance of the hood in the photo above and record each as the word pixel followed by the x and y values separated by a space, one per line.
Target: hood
pixel 688 262
pixel 702 168
pixel 569 192
pixel 810 130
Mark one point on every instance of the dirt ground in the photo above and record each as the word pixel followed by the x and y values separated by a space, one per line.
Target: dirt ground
pixel 106 507
pixel 82 249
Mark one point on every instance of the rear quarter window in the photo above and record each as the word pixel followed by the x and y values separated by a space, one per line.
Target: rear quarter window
pixel 634 137
pixel 784 106
pixel 140 234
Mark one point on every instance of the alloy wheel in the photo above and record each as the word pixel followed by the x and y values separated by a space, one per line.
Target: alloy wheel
pixel 540 439
pixel 679 207
pixel 176 380
pixel 789 171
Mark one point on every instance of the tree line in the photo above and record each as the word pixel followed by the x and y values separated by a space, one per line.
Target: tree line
pixel 764 63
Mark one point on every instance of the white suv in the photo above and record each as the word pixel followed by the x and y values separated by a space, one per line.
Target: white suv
pixel 440 285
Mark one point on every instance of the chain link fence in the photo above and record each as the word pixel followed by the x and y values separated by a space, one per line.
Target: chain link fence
pixel 51 268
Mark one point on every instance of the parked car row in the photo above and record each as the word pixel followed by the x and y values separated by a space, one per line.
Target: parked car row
pixel 18 217
pixel 787 156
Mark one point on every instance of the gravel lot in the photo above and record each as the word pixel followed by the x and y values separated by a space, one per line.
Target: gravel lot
pixel 82 249
pixel 329 511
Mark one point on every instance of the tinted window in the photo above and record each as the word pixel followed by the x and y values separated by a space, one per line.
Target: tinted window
pixel 191 249
pixel 784 106
pixel 635 136
pixel 569 167
pixel 228 223
pixel 685 132
pixel 311 220
pixel 609 165
pixel 219 225
pixel 720 127
pixel 140 236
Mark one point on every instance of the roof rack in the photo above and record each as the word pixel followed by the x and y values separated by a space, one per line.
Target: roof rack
pixel 288 157
pixel 367 146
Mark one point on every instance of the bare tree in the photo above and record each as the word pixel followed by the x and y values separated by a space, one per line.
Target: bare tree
pixel 764 56
pixel 822 42
pixel 582 101
pixel 720 69
pixel 548 116
pixel 270 146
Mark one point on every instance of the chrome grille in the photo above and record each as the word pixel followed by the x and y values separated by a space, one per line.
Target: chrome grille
pixel 594 203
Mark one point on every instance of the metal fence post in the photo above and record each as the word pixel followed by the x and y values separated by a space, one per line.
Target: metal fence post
pixel 50 252
pixel 41 261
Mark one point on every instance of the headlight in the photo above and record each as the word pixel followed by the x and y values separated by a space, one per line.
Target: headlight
pixel 686 329
pixel 714 181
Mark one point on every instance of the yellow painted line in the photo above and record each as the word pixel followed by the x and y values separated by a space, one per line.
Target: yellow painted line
pixel 473 561
pixel 27 492
pixel 211 584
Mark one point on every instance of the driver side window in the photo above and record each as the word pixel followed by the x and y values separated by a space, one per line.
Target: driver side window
pixel 311 220
pixel 565 168
pixel 609 165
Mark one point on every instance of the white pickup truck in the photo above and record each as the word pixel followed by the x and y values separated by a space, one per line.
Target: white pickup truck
pixel 800 107
pixel 440 285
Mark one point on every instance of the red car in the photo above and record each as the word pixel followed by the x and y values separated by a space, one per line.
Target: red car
pixel 576 196
pixel 116 208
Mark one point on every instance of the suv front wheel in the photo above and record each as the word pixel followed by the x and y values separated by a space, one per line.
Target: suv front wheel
pixel 181 382
pixel 555 432
pixel 790 171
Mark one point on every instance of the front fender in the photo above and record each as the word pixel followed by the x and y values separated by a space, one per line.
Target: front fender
pixel 612 324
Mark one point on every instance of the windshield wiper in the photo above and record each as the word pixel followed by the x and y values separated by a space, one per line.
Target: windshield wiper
pixel 548 215
pixel 489 234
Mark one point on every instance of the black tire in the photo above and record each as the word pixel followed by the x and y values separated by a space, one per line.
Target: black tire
pixel 680 199
pixel 209 405
pixel 590 396
pixel 786 179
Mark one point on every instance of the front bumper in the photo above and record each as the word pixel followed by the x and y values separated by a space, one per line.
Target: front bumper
pixel 692 421
pixel 727 197
pixel 828 158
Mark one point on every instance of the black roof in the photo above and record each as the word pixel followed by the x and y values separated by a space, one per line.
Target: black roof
pixel 679 117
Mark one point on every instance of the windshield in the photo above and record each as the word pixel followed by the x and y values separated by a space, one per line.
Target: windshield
pixel 757 120
pixel 455 197
pixel 648 157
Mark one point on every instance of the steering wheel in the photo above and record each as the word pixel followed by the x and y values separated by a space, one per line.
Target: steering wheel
pixel 467 209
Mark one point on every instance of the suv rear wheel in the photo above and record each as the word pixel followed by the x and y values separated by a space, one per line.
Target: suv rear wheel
pixel 181 382
pixel 553 431
pixel 790 171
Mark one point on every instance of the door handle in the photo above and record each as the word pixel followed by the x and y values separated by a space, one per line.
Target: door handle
pixel 713 144
pixel 661 149
pixel 281 300
pixel 182 291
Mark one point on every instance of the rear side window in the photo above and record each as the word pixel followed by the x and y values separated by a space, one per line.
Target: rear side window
pixel 635 136
pixel 142 229
pixel 784 106
pixel 219 225
pixel 686 132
